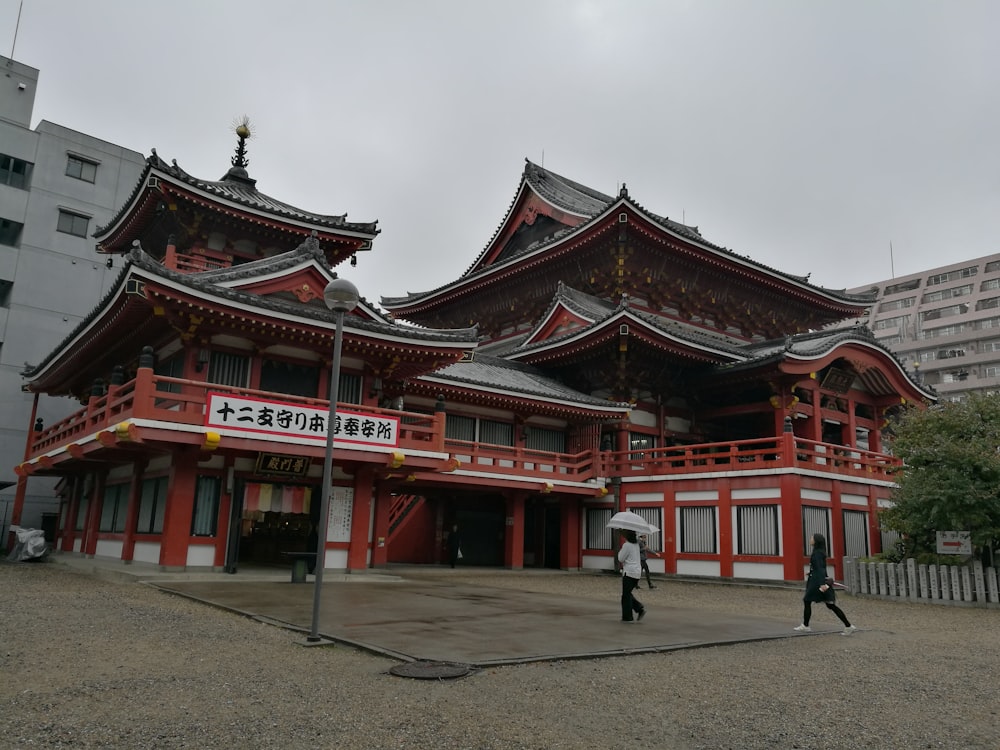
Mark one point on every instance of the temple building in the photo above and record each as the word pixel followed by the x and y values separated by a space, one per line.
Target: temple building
pixel 594 357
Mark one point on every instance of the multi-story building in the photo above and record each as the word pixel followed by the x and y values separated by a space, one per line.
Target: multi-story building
pixel 944 324
pixel 56 186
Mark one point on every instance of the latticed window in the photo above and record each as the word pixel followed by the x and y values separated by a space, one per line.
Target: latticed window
pixel 856 533
pixel 229 369
pixel 457 427
pixel 546 440
pixel 598 535
pixel 757 530
pixel 654 517
pixel 496 433
pixel 698 530
pixel 814 521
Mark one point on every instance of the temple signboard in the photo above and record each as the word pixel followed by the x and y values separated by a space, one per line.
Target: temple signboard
pixel 266 418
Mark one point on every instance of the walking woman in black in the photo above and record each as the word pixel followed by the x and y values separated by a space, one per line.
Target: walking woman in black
pixel 817 588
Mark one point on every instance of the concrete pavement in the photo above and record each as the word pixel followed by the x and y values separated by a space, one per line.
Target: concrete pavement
pixel 418 614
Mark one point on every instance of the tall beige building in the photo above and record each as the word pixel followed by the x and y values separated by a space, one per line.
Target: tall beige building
pixel 944 324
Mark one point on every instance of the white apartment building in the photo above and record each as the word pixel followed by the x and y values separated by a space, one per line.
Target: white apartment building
pixel 944 323
pixel 56 187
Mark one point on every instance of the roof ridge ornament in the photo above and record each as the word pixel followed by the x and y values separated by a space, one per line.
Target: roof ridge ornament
pixel 623 192
pixel 239 161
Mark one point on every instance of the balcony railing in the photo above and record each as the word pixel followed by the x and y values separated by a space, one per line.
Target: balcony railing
pixel 180 401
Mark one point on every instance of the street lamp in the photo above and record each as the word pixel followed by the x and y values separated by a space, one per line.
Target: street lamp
pixel 341 296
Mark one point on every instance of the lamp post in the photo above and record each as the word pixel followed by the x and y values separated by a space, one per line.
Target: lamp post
pixel 341 296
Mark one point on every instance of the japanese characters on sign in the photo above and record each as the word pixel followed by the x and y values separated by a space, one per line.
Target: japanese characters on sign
pixel 339 522
pixel 230 412
pixel 280 464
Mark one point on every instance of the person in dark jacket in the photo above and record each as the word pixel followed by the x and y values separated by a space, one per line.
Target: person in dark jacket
pixel 644 552
pixel 454 545
pixel 817 588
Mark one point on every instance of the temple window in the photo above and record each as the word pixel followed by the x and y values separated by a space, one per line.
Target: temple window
pixel 205 519
pixel 474 430
pixel 292 378
pixel 757 530
pixel 856 533
pixel 73 223
pixel 639 442
pixel 152 504
pixel 540 439
pixel 697 530
pixel 113 509
pixel 81 169
pixel 229 369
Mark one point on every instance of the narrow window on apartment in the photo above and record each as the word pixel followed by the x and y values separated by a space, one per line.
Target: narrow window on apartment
pixel 81 169
pixel 71 223
pixel 10 232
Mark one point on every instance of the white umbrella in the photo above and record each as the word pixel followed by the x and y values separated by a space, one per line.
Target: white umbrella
pixel 626 519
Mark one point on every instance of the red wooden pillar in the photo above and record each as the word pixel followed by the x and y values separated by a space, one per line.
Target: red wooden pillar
pixel 225 517
pixel 569 534
pixel 836 544
pixel 669 532
pixel 874 525
pixel 361 516
pixel 68 536
pixel 849 432
pixel 132 512
pixel 791 527
pixel 725 530
pixel 383 506
pixel 92 524
pixel 513 539
pixel 179 509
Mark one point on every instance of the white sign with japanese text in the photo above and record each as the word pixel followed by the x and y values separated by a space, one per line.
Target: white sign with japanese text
pixel 338 527
pixel 230 412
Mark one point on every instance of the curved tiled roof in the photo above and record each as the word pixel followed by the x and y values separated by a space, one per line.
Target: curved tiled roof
pixel 205 284
pixel 496 373
pixel 236 187
pixel 815 344
pixel 599 310
pixel 574 197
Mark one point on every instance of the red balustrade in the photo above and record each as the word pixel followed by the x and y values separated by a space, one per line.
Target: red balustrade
pixel 180 401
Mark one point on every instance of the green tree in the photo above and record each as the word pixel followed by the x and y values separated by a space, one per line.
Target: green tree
pixel 950 480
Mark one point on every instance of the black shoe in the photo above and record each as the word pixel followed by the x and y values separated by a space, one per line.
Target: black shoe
pixel 642 613
pixel 652 586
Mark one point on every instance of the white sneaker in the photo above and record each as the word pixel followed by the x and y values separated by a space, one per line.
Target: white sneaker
pixel 849 629
pixel 802 628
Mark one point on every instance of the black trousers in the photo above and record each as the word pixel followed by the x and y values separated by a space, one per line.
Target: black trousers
pixel 808 609
pixel 629 603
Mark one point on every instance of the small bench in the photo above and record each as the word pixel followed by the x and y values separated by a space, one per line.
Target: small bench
pixel 301 562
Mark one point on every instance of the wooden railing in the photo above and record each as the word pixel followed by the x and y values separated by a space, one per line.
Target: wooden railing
pixel 502 459
pixel 150 397
pixel 180 401
pixel 743 455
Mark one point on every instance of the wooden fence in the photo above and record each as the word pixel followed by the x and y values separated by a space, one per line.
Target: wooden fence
pixel 970 585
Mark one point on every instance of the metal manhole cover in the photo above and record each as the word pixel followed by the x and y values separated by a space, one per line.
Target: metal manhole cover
pixel 430 670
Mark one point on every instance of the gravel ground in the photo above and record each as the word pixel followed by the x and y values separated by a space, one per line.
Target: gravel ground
pixel 89 663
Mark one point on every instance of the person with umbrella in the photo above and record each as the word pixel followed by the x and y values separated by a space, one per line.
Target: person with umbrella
pixel 629 557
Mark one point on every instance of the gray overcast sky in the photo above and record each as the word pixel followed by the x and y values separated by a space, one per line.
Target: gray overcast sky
pixel 806 135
